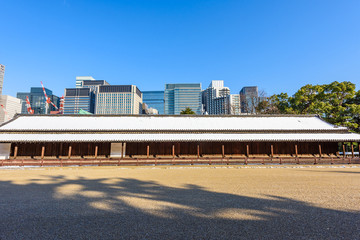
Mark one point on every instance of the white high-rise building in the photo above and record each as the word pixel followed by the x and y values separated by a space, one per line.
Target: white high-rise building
pixel 11 105
pixel 80 80
pixel 118 99
pixel 215 90
pixel 2 73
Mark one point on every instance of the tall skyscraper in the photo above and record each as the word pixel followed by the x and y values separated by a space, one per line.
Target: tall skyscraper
pixel 249 98
pixel 154 99
pixel 119 99
pixel 38 101
pixel 81 79
pixel 2 73
pixel 12 106
pixel 180 96
pixel 76 99
pixel 215 90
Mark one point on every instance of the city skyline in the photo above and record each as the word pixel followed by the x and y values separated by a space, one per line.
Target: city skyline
pixel 278 45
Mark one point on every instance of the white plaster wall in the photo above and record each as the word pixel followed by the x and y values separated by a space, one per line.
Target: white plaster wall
pixel 5 150
pixel 116 150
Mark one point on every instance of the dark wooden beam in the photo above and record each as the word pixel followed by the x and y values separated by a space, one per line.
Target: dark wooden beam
pixel 296 154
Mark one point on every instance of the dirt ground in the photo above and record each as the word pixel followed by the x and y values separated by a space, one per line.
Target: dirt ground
pixel 180 203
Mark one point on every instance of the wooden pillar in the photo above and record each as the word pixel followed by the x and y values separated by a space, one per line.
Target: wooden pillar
pixel 198 151
pixel 352 150
pixel 96 151
pixel 320 153
pixel 223 150
pixel 148 151
pixel 296 154
pixel 247 153
pixel 272 151
pixel 42 152
pixel 15 151
pixel 123 152
pixel 69 154
pixel 173 150
pixel 343 146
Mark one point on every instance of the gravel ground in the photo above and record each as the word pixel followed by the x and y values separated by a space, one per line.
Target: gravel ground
pixel 180 203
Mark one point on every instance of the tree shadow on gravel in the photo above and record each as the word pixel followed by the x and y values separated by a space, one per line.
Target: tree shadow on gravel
pixel 120 208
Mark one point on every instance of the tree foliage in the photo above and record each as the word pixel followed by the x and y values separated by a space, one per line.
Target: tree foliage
pixel 337 102
pixel 187 111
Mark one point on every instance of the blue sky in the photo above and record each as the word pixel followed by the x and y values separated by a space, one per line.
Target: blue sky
pixel 276 45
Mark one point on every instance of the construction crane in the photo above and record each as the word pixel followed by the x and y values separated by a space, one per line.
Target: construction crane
pixel 61 109
pixel 28 106
pixel 48 100
pixel 6 113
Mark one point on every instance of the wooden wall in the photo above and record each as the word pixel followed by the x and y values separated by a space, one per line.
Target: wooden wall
pixel 61 149
pixel 182 148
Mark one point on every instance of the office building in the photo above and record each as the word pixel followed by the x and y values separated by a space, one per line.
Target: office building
pixel 11 105
pixel 215 90
pixel 38 101
pixel 118 99
pixel 229 104
pixel 249 99
pixel 94 84
pixel 180 96
pixel 80 80
pixel 154 99
pixel 77 99
pixel 2 73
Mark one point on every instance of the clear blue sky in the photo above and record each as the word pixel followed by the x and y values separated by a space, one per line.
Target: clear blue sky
pixel 276 45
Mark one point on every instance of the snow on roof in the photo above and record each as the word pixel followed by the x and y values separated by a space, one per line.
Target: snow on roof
pixel 162 122
pixel 194 137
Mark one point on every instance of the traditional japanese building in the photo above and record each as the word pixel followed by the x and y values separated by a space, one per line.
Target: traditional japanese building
pixel 142 139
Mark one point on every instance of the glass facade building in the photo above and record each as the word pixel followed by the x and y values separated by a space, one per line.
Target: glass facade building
pixel 180 96
pixel 249 98
pixel 154 99
pixel 79 98
pixel 37 100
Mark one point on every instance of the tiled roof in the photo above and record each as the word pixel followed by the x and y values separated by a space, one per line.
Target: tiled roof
pixel 163 123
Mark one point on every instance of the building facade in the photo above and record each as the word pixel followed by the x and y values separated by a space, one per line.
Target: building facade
pixel 77 99
pixel 2 73
pixel 215 90
pixel 229 104
pixel 249 98
pixel 119 99
pixel 180 96
pixel 38 101
pixel 155 100
pixel 11 105
pixel 94 84
pixel 80 80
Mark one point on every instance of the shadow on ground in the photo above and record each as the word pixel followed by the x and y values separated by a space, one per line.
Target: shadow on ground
pixel 117 208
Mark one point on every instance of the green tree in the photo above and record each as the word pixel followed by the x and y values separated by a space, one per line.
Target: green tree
pixel 187 111
pixel 337 102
